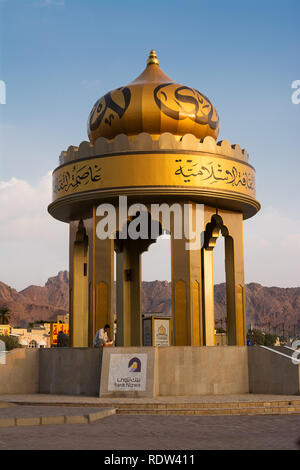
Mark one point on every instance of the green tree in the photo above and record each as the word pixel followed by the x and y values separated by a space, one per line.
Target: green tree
pixel 282 339
pixel 11 342
pixel 260 338
pixel 220 330
pixel 256 337
pixel 270 339
pixel 4 315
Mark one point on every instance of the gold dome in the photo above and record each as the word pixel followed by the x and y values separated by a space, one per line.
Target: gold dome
pixel 155 104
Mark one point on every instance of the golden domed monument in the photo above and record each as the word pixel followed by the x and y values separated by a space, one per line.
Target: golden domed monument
pixel 154 141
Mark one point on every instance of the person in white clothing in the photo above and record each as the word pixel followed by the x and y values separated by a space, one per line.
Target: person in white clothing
pixel 102 337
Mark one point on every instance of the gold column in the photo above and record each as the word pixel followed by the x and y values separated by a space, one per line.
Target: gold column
pixel 207 278
pixel 235 282
pixel 186 290
pixel 208 297
pixel 129 294
pixel 103 280
pixel 79 291
pixel 72 235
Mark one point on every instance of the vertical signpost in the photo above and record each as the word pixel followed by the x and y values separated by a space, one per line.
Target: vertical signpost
pixel 156 331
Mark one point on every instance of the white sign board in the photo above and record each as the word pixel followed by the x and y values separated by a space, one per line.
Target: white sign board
pixel 161 332
pixel 127 372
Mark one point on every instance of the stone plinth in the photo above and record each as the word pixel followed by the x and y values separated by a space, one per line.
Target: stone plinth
pixel 172 371
pixel 129 372
pixel 181 371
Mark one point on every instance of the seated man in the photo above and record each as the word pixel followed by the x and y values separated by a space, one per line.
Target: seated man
pixel 102 337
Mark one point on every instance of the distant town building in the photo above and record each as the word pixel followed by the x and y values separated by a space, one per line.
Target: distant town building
pixel 37 337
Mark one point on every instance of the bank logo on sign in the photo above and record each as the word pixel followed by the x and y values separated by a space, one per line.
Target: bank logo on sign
pixel 127 372
pixel 134 365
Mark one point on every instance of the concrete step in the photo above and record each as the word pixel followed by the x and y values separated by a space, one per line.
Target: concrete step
pixel 204 405
pixel 210 411
pixel 38 417
pixel 237 407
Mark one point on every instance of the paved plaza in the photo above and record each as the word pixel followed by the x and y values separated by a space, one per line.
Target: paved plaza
pixel 160 432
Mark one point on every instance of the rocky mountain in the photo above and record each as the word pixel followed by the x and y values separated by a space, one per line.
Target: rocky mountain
pixel 35 302
pixel 275 309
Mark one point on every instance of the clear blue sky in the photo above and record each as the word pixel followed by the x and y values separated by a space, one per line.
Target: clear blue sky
pixel 58 57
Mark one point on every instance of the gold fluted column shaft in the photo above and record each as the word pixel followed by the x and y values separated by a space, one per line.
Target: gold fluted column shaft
pixel 79 307
pixel 208 303
pixel 103 280
pixel 235 281
pixel 129 295
pixel 186 288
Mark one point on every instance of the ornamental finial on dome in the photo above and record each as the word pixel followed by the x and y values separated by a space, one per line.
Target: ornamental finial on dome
pixel 152 59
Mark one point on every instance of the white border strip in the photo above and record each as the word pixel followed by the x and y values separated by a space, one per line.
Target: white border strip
pixel 282 354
